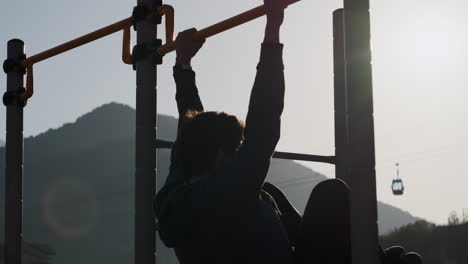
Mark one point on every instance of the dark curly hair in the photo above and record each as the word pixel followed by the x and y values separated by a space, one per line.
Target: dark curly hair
pixel 202 135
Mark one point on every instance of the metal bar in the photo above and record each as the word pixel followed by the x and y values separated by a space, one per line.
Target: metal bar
pixel 29 84
pixel 304 157
pixel 341 118
pixel 364 231
pixel 126 46
pixel 168 12
pixel 222 26
pixel 163 144
pixel 145 144
pixel 100 33
pixel 14 161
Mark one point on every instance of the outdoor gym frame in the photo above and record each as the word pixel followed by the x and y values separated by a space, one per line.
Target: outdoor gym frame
pixel 354 126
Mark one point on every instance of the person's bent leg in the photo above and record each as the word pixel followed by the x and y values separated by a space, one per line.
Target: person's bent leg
pixel 325 231
pixel 289 215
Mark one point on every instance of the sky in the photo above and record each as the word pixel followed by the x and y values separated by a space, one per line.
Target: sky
pixel 419 75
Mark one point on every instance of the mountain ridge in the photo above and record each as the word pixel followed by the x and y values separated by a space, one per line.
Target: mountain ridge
pixel 436 244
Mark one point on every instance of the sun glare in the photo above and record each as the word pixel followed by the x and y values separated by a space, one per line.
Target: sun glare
pixel 432 41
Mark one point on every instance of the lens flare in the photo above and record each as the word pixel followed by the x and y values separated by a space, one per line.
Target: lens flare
pixel 70 208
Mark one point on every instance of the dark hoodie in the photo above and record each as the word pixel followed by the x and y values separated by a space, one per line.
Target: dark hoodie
pixel 221 218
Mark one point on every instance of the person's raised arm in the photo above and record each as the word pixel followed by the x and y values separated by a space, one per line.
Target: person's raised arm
pixel 275 17
pixel 263 122
pixel 187 97
pixel 186 89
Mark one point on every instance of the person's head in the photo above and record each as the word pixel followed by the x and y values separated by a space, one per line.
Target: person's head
pixel 206 140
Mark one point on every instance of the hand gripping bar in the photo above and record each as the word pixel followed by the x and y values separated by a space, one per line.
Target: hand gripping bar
pixel 222 26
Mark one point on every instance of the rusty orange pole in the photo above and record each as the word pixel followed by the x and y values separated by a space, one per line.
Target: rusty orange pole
pixel 168 12
pixel 168 47
pixel 223 26
pixel 126 46
pixel 100 33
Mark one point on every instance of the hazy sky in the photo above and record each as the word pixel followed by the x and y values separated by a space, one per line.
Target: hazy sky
pixel 419 67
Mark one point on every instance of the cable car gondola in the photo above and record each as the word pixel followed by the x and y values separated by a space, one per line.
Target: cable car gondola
pixel 397 184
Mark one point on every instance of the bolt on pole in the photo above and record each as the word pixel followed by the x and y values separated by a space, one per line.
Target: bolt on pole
pixel 14 156
pixel 145 144
pixel 364 231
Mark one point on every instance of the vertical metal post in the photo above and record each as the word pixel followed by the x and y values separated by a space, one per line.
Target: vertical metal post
pixel 341 109
pixel 14 155
pixel 341 115
pixel 145 143
pixel 364 231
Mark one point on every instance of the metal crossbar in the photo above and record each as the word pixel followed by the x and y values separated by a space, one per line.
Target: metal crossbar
pixel 100 33
pixel 163 144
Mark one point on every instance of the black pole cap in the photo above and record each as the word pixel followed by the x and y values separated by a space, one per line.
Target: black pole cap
pixel 16 40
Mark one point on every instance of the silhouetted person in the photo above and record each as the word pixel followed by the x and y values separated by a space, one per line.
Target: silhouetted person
pixel 212 208
pixel 209 209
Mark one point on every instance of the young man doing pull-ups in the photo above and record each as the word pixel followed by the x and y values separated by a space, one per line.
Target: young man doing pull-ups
pixel 209 209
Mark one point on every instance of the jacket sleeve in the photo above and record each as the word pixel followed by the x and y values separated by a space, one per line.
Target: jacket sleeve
pixel 263 122
pixel 187 98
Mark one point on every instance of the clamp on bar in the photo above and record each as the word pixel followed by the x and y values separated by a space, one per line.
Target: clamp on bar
pixel 21 95
pixel 140 13
pixel 12 65
pixel 14 97
pixel 142 51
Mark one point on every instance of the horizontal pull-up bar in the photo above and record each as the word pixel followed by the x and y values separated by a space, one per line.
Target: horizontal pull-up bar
pixel 164 10
pixel 164 49
pixel 125 26
pixel 304 157
pixel 277 155
pixel 100 33
pixel 164 144
pixel 222 26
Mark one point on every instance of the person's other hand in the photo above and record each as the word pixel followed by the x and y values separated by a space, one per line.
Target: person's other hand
pixel 275 17
pixel 275 12
pixel 186 47
pixel 397 255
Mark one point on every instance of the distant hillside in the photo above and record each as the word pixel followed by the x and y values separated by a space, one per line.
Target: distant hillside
pixel 32 254
pixel 436 244
pixel 79 187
